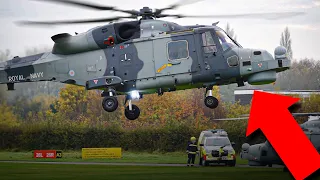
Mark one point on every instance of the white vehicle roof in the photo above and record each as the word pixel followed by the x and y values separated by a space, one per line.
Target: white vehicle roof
pixel 218 132
pixel 207 133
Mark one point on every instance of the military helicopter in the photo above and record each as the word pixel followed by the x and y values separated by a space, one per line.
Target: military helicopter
pixel 263 154
pixel 146 56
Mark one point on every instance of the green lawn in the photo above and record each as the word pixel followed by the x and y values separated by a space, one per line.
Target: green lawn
pixel 9 171
pixel 136 157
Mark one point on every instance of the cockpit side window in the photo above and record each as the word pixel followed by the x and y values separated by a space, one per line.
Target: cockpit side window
pixel 207 39
pixel 208 43
pixel 178 50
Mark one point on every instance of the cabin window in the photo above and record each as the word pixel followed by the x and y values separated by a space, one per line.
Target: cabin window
pixel 208 43
pixel 178 50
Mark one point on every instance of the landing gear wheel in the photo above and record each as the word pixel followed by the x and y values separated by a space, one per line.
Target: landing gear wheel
pixel 110 103
pixel 132 114
pixel 211 102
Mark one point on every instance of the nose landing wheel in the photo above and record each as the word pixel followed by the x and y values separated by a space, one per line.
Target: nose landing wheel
pixel 210 101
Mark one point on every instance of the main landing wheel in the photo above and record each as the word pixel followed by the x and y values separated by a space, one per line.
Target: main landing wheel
pixel 211 102
pixel 132 114
pixel 110 103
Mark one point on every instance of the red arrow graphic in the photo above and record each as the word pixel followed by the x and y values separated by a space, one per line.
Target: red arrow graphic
pixel 270 113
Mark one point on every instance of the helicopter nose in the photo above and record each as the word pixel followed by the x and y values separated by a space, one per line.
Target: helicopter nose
pixel 260 67
pixel 245 147
pixel 244 151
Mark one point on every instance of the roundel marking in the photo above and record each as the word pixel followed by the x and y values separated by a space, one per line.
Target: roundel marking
pixel 71 73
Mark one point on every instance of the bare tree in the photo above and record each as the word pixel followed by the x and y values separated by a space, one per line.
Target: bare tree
pixel 5 55
pixel 229 30
pixel 303 74
pixel 286 41
pixel 35 50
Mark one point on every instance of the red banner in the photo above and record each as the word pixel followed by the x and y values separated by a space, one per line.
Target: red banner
pixel 44 154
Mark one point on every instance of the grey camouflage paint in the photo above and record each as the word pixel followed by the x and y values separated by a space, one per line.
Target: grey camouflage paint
pixel 263 154
pixel 136 62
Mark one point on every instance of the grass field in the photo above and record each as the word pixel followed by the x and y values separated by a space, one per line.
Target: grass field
pixel 34 171
pixel 10 171
pixel 134 157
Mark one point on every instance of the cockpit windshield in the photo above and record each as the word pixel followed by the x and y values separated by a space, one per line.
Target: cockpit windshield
pixel 218 141
pixel 225 41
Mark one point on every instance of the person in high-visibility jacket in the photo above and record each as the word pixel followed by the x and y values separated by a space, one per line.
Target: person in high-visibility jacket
pixel 192 151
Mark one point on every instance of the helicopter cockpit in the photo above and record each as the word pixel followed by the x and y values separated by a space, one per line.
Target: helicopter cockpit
pixel 226 41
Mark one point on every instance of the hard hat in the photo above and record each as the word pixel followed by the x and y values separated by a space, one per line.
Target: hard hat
pixel 192 139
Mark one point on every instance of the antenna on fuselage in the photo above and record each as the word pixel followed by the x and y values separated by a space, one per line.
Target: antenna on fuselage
pixel 216 23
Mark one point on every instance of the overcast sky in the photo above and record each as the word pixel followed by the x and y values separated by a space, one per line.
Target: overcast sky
pixel 251 33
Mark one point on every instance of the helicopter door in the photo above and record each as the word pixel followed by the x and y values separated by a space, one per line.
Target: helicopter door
pixel 136 60
pixel 175 55
pixel 62 69
pixel 210 50
pixel 212 53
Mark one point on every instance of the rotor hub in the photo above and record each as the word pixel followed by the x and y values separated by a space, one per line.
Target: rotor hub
pixel 147 13
pixel 146 10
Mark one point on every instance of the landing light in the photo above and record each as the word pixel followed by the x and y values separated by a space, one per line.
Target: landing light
pixel 135 94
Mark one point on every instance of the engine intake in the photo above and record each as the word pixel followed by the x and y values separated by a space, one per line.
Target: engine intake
pixel 68 44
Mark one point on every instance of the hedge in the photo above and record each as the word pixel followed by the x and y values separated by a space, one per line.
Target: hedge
pixel 167 139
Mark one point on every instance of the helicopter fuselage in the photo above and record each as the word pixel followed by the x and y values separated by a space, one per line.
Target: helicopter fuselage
pixel 145 55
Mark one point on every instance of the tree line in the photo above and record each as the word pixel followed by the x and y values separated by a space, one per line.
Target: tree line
pixel 75 119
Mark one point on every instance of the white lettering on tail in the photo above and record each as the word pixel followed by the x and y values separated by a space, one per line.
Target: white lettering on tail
pixel 15 78
pixel 36 75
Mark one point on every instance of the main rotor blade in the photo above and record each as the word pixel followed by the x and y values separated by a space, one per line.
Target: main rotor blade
pixel 176 5
pixel 91 6
pixel 72 21
pixel 268 16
